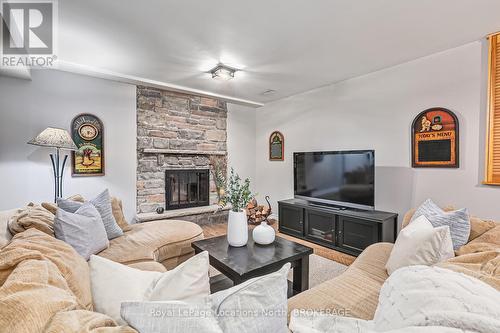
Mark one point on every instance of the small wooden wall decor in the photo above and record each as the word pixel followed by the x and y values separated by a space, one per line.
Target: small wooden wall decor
pixel 435 139
pixel 276 146
pixel 88 133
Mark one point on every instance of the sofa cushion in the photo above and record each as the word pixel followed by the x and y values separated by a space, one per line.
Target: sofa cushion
pixel 114 283
pixel 117 209
pixel 257 305
pixel 52 207
pixel 355 292
pixel 457 220
pixel 116 206
pixel 166 317
pixel 152 266
pixel 478 226
pixel 103 205
pixel 154 241
pixel 32 216
pixel 173 262
pixel 83 230
pixel 37 246
pixel 420 244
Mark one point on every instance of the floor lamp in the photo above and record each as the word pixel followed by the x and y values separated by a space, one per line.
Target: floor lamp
pixel 60 140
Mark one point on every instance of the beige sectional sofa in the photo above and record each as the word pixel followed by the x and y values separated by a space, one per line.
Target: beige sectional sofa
pixel 48 282
pixel 165 242
pixel 142 245
pixel 355 293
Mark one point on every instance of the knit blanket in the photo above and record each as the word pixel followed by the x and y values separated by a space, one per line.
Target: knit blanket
pixel 45 287
pixel 418 299
pixel 480 258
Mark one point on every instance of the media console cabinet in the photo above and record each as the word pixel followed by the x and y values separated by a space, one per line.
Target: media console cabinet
pixel 346 230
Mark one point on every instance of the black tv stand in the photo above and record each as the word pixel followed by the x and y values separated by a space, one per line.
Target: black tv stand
pixel 344 229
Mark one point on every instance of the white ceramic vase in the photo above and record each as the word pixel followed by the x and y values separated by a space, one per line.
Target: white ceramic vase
pixel 263 234
pixel 237 229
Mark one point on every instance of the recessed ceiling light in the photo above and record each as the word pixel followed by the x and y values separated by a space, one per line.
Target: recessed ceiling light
pixel 223 72
pixel 269 92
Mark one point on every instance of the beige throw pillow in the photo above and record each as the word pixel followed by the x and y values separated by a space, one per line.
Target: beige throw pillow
pixel 420 244
pixel 117 208
pixel 113 283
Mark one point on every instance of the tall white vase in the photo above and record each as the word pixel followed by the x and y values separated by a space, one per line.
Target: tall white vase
pixel 237 229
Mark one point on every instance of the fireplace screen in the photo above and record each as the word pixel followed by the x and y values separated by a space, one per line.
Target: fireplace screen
pixel 186 188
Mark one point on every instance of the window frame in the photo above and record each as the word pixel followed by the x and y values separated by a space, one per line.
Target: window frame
pixel 489 176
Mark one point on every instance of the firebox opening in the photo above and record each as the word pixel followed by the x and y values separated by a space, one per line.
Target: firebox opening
pixel 186 188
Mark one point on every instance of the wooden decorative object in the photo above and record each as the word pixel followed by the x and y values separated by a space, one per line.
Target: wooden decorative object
pixel 435 139
pixel 87 132
pixel 257 213
pixel 276 146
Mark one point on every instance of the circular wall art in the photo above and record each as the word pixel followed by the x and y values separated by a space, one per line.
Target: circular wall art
pixel 87 132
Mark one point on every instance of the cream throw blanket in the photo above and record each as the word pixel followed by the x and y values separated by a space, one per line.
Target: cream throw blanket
pixel 45 287
pixel 33 216
pixel 418 299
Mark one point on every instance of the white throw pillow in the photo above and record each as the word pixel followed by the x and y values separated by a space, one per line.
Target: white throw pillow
pixel 420 244
pixel 258 305
pixel 113 283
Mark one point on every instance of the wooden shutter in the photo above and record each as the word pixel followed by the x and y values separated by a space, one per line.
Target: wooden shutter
pixel 493 128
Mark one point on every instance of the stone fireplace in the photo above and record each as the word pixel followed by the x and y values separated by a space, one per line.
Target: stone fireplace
pixel 179 138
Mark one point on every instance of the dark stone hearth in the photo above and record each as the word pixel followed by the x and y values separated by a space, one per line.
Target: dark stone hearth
pixel 207 218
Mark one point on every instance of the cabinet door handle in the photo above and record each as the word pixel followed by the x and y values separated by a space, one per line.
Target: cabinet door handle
pixel 300 222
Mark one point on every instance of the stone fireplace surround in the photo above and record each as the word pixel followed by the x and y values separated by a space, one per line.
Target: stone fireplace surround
pixel 177 131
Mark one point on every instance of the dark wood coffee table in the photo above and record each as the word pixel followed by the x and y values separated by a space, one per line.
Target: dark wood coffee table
pixel 239 264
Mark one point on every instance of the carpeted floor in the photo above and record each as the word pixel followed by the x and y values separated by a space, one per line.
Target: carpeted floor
pixel 320 270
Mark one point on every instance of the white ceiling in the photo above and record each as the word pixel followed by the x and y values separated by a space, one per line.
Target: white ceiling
pixel 289 46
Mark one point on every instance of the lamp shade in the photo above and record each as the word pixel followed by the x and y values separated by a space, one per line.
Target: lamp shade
pixel 54 137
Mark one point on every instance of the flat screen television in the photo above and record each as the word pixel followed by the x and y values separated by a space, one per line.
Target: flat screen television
pixel 342 178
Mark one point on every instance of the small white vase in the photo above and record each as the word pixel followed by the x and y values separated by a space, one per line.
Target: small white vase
pixel 263 234
pixel 237 229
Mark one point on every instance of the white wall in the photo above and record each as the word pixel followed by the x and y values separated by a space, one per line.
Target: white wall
pixel 53 98
pixel 375 111
pixel 241 141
